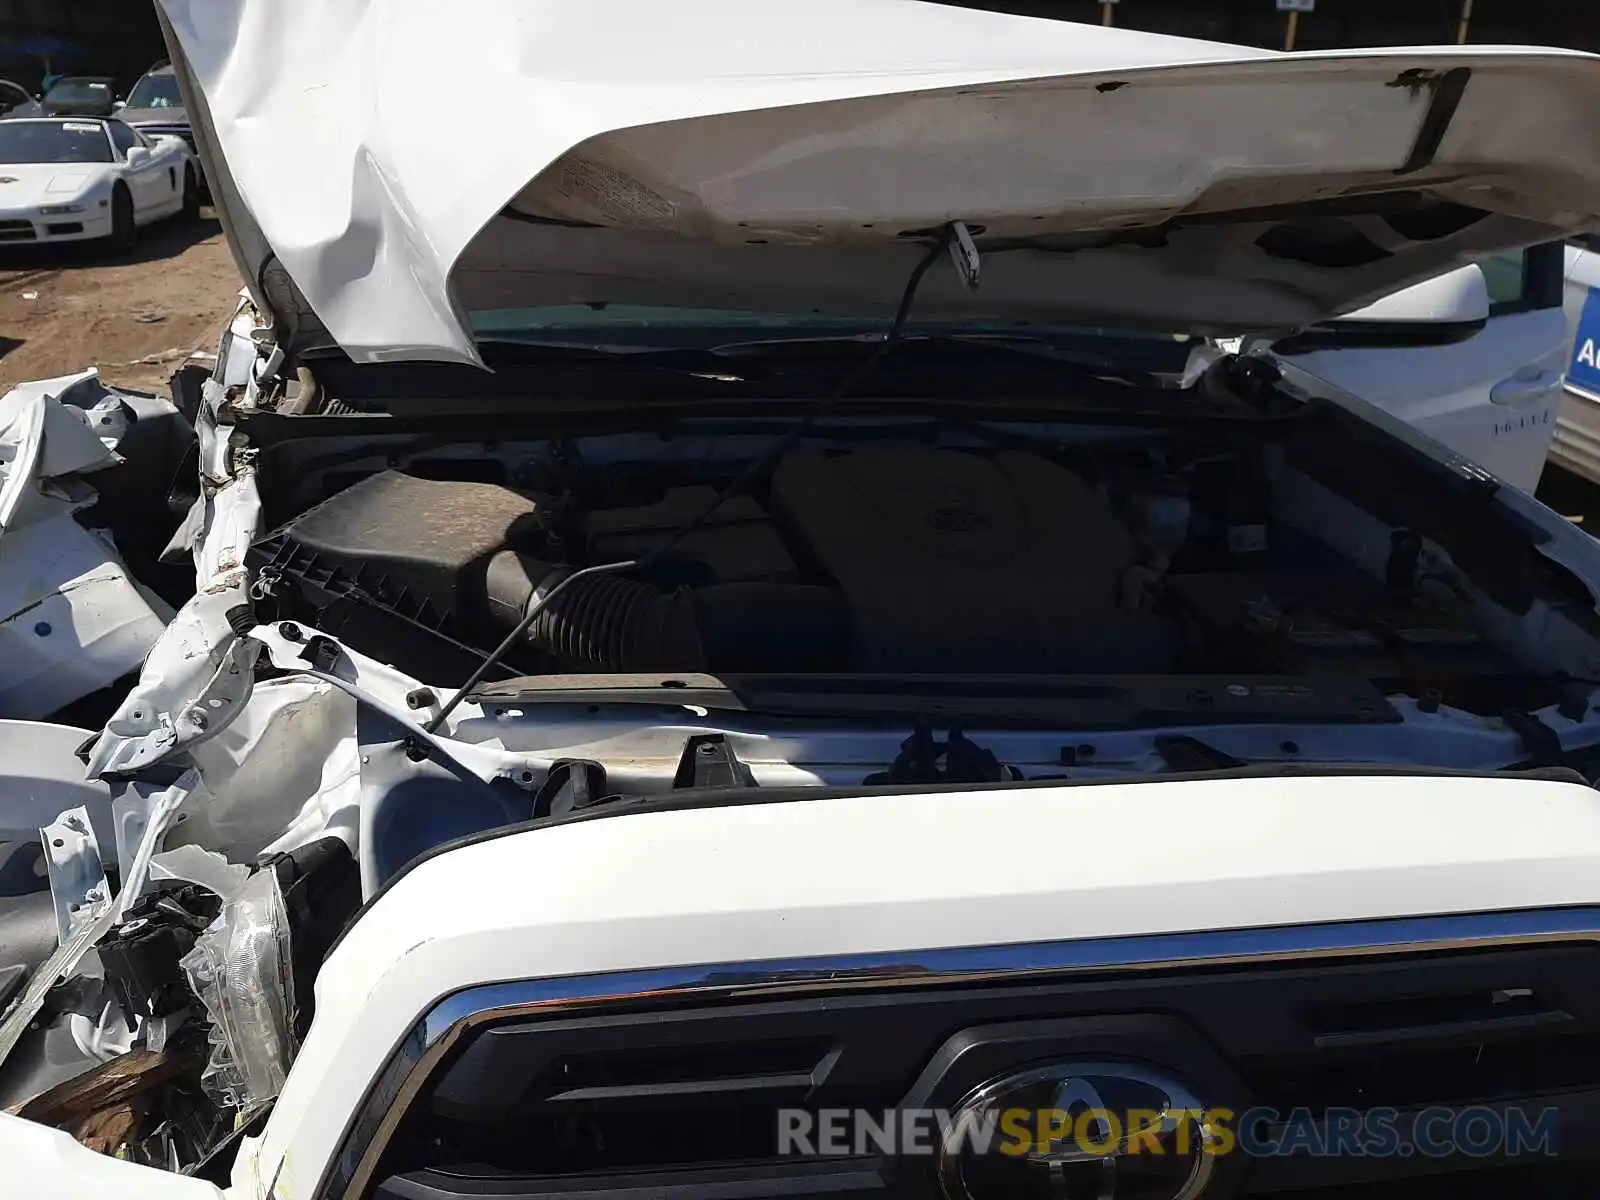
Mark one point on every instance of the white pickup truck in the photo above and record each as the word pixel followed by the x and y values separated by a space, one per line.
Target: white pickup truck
pixel 864 666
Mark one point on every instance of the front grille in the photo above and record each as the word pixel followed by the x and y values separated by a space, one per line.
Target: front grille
pixel 684 1100
pixel 17 231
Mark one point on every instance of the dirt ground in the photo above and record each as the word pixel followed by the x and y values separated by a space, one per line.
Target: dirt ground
pixel 138 316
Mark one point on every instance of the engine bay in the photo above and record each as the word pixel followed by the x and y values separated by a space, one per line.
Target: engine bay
pixel 1015 550
pixel 1177 585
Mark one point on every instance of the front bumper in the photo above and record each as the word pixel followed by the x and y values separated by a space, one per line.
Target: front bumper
pixel 27 226
pixel 1281 1035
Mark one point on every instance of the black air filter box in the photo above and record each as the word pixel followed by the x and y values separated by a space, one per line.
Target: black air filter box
pixel 419 546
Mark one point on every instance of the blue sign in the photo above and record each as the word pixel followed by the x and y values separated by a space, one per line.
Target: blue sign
pixel 1585 369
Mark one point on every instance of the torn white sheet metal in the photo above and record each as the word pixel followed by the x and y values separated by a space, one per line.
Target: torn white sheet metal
pixel 387 688
pixel 286 769
pixel 133 806
pixel 700 141
pixel 60 965
pixel 72 621
pixel 43 437
pixel 199 672
pixel 228 490
pixel 216 480
pixel 78 887
pixel 75 1172
pixel 164 806
pixel 198 675
pixel 41 776
pixel 283 774
pixel 237 353
pixel 164 809
pixel 183 697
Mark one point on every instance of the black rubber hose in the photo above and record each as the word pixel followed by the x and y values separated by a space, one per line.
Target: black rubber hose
pixel 608 623
pixel 602 623
pixel 619 625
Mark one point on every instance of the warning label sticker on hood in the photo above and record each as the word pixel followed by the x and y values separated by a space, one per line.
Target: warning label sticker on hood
pixel 612 196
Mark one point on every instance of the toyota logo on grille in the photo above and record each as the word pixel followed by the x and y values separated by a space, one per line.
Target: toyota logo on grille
pixel 1100 1130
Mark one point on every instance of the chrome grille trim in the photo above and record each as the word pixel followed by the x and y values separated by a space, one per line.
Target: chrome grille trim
pixel 443 1026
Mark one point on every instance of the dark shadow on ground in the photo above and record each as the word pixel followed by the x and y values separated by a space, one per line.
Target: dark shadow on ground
pixel 163 240
pixel 1574 498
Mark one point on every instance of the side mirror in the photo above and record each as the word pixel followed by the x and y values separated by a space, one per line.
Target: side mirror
pixel 1460 296
pixel 136 155
pixel 1440 311
pixel 119 106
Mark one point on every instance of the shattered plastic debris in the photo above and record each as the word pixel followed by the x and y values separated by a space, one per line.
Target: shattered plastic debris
pixel 240 969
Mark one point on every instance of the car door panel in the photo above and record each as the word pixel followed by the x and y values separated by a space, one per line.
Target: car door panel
pixel 154 184
pixel 170 179
pixel 1494 396
pixel 153 180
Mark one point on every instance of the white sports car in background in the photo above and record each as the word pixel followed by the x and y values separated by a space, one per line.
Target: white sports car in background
pixel 69 179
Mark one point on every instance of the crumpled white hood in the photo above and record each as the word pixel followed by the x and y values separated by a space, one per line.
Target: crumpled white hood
pixel 368 165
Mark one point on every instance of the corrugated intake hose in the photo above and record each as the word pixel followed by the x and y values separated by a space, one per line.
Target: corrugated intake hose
pixel 615 624
pixel 608 623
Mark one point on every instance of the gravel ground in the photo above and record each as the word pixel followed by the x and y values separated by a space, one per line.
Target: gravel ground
pixel 138 316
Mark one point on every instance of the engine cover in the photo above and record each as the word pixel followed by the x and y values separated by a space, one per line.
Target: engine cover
pixel 965 562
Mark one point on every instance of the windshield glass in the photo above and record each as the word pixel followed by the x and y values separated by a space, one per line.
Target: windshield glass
pixel 81 89
pixel 53 142
pixel 156 91
pixel 627 326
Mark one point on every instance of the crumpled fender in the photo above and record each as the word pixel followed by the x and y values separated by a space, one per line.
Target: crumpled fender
pixel 198 674
pixel 72 619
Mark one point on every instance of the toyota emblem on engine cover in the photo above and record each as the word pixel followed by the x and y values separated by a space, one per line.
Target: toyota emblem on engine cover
pixel 1097 1130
